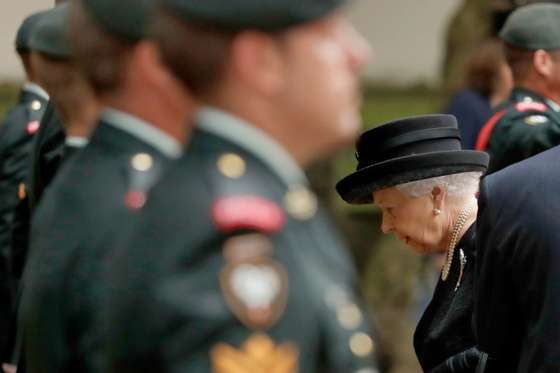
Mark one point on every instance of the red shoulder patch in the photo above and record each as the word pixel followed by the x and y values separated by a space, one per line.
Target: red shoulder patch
pixel 526 106
pixel 247 212
pixel 33 127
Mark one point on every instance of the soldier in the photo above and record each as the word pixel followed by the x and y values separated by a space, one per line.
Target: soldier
pixel 530 121
pixel 16 137
pixel 140 129
pixel 233 266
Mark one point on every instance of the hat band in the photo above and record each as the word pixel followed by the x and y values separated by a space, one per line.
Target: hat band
pixel 421 135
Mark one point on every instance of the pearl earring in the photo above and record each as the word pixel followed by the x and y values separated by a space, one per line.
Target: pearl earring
pixel 437 212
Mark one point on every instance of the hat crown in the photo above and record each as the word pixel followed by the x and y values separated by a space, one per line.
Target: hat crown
pixel 408 136
pixel 534 26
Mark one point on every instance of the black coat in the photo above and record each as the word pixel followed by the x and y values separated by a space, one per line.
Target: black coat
pixel 81 210
pixel 171 310
pixel 517 303
pixel 16 138
pixel 445 329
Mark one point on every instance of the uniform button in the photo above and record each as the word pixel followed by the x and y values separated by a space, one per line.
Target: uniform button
pixel 142 162
pixel 22 193
pixel 361 344
pixel 231 165
pixel 36 105
pixel 349 316
pixel 367 370
pixel 301 203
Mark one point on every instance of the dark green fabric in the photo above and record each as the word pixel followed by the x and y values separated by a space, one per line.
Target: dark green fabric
pixel 82 209
pixel 268 15
pixel 127 19
pixel 533 27
pixel 166 310
pixel 15 149
pixel 25 30
pixel 520 134
pixel 50 35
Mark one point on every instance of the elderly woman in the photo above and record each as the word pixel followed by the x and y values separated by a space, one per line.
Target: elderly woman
pixel 414 170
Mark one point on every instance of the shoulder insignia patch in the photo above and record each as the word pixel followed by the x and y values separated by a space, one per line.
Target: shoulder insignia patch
pixel 258 354
pixel 247 212
pixel 535 120
pixel 526 106
pixel 255 286
pixel 32 127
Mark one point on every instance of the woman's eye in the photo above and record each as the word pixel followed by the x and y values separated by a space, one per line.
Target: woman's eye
pixel 390 211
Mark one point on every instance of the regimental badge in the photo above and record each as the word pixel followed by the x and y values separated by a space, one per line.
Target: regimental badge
pixel 255 286
pixel 535 120
pixel 259 354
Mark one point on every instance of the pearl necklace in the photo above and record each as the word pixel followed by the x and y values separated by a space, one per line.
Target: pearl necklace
pixel 459 225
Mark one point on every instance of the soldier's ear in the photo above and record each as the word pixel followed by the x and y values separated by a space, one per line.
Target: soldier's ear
pixel 255 60
pixel 543 62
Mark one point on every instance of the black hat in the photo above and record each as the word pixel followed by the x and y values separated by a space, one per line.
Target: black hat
pixel 265 15
pixel 406 150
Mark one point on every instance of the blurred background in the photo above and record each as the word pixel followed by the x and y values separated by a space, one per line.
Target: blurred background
pixel 421 49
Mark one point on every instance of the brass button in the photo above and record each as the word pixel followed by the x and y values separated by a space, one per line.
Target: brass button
pixel 22 192
pixel 361 344
pixel 301 203
pixel 231 165
pixel 36 105
pixel 142 162
pixel 349 316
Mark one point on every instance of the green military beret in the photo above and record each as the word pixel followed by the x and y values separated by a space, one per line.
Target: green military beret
pixel 49 36
pixel 535 26
pixel 266 15
pixel 126 19
pixel 24 31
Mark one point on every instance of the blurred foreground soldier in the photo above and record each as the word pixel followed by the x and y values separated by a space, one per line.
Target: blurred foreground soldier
pixel 245 273
pixel 16 137
pixel 529 122
pixel 70 96
pixel 140 129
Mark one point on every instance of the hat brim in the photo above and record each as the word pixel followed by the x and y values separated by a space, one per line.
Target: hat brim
pixel 357 188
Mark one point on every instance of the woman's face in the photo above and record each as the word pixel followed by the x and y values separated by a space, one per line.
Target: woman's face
pixel 412 219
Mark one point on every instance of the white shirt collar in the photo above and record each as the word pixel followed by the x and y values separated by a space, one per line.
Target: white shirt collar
pixel 36 89
pixel 143 131
pixel 252 139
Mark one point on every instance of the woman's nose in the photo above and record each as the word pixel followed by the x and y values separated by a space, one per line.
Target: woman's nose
pixel 386 224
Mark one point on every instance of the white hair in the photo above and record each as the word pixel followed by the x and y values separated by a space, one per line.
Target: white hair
pixel 456 184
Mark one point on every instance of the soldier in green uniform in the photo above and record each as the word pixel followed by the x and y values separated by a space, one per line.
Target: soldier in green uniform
pixel 91 199
pixel 16 137
pixel 233 265
pixel 529 122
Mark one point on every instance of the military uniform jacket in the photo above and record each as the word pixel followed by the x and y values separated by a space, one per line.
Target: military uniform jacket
pixel 232 267
pixel 16 137
pixel 528 124
pixel 89 201
pixel 517 301
pixel 45 158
